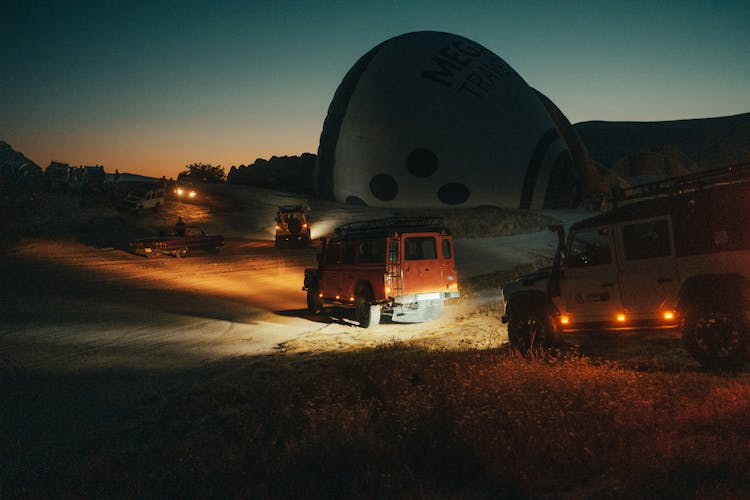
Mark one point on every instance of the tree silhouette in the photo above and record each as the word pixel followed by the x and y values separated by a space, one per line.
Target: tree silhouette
pixel 203 172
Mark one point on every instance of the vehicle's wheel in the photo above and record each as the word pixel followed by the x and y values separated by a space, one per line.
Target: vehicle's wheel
pixel 314 305
pixel 367 314
pixel 716 339
pixel 182 252
pixel 529 329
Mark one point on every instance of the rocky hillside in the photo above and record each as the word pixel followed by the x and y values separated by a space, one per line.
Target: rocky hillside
pixel 15 168
pixel 289 173
pixel 673 146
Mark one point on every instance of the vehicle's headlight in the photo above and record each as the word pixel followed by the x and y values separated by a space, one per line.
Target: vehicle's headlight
pixel 179 191
pixel 192 194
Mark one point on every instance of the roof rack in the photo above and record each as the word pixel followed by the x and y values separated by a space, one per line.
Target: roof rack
pixel 292 208
pixel 389 225
pixel 732 174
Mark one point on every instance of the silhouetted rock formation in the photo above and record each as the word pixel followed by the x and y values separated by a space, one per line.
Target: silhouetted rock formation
pixel 287 173
pixel 653 165
pixel 702 143
pixel 15 169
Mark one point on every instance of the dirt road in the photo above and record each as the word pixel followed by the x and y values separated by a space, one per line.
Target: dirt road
pixel 77 306
pixel 90 336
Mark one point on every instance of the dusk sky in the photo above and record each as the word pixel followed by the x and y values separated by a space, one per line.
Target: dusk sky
pixel 150 87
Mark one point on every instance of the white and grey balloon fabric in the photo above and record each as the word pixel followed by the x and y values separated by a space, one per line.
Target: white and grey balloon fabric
pixel 432 119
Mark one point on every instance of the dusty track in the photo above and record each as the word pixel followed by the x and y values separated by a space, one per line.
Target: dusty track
pixel 90 336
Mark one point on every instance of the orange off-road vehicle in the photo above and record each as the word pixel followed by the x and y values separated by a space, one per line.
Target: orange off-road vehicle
pixel 399 267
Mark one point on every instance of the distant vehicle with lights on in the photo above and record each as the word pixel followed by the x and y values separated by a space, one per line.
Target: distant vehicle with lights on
pixel 674 254
pixel 185 192
pixel 292 225
pixel 403 268
pixel 176 245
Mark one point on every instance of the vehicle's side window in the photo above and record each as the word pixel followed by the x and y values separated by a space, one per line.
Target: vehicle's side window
pixel 350 252
pixel 372 251
pixel 590 247
pixel 646 240
pixel 393 251
pixel 446 248
pixel 332 252
pixel 420 248
pixel 712 224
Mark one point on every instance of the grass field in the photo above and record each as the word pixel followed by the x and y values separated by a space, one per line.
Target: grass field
pixel 401 421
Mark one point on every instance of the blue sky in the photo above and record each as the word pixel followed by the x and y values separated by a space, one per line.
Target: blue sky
pixel 150 87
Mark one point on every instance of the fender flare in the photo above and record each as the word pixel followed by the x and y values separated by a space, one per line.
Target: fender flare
pixel 528 298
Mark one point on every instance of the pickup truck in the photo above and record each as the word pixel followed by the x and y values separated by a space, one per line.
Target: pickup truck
pixel 177 245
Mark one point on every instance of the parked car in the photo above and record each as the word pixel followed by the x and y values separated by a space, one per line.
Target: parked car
pixel 143 198
pixel 400 267
pixel 676 258
pixel 176 245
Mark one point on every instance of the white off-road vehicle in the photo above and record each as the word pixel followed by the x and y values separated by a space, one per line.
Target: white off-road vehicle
pixel 673 254
pixel 143 198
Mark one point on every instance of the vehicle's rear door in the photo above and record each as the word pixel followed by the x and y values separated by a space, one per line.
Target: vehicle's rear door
pixel 648 280
pixel 421 268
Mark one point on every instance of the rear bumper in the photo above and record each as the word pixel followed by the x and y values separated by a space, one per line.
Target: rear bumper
pixel 423 297
pixel 419 307
pixel 300 237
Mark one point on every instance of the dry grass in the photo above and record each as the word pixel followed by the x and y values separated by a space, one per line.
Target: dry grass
pixel 487 222
pixel 407 422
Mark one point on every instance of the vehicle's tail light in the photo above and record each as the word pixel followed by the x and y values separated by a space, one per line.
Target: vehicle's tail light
pixel 564 319
pixel 668 315
pixel 304 226
pixel 278 227
pixel 620 317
